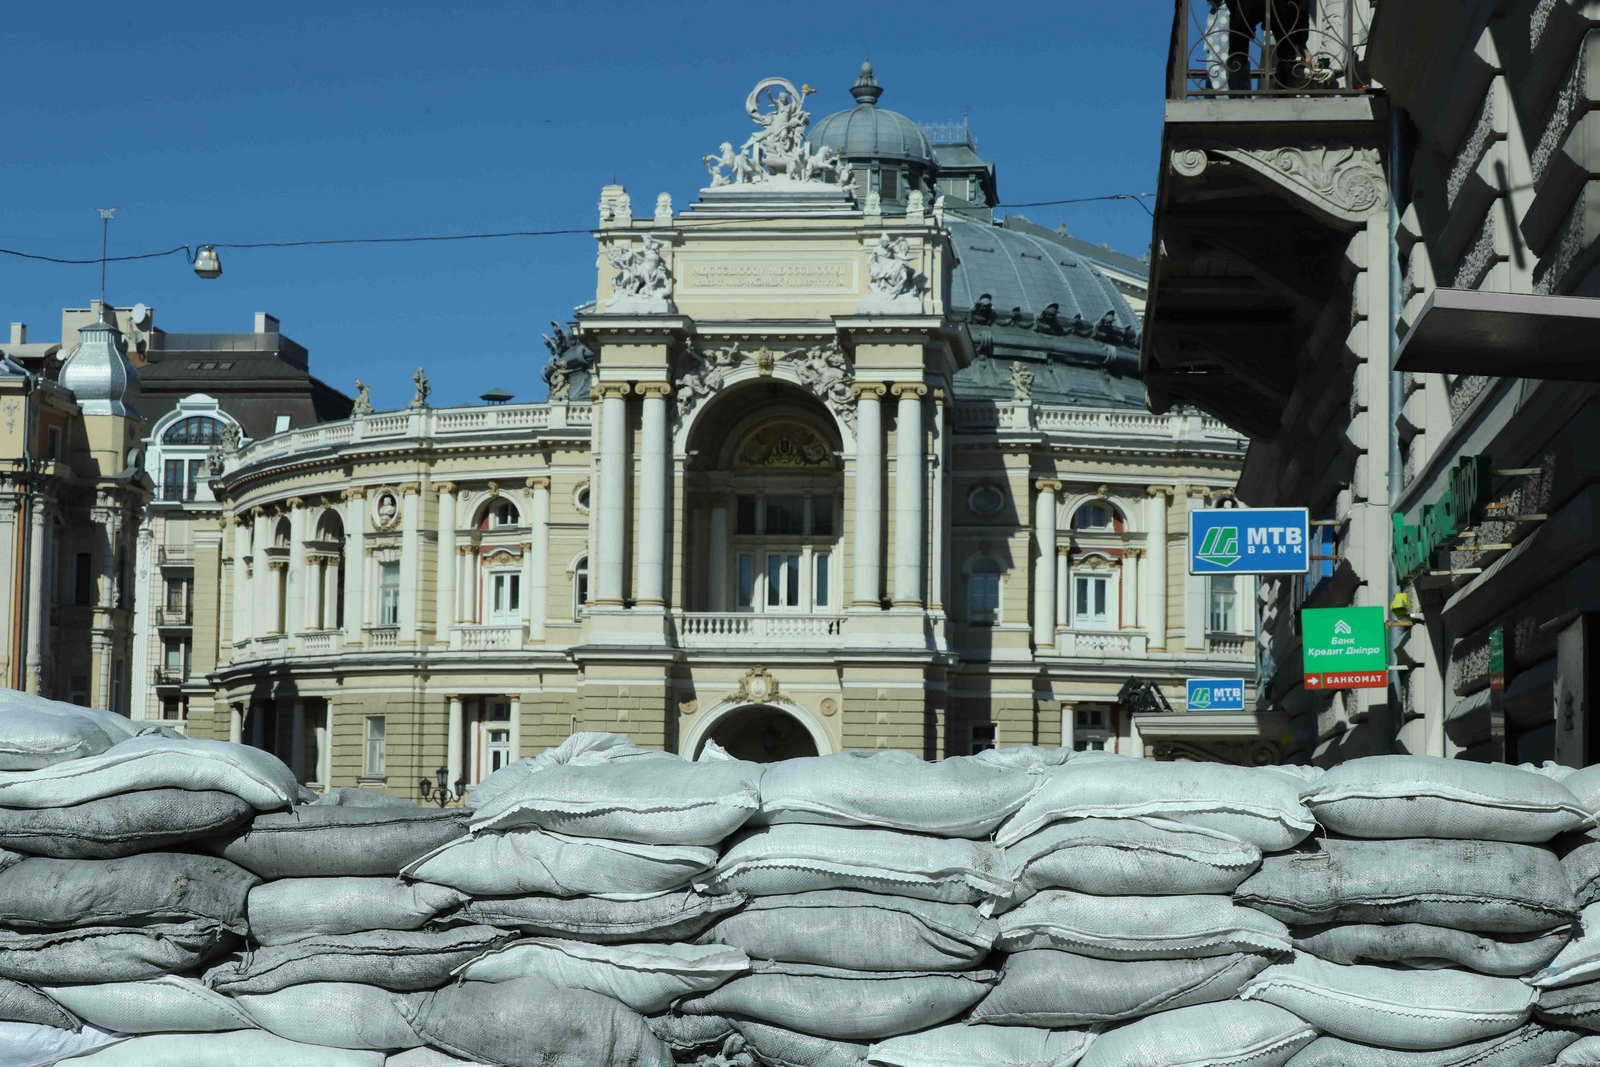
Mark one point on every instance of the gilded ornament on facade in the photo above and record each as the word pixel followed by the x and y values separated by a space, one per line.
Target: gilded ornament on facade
pixel 784 443
pixel 758 686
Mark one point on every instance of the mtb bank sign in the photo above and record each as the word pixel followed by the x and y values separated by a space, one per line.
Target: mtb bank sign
pixel 1249 541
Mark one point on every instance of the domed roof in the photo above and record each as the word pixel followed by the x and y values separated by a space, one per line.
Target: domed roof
pixel 1029 270
pixel 102 380
pixel 868 131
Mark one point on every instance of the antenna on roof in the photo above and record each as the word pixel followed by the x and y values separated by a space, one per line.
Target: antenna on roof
pixel 106 215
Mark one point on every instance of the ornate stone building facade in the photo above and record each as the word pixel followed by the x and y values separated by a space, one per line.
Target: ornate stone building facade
pixel 818 471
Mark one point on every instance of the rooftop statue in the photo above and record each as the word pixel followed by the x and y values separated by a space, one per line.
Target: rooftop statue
pixel 778 152
pixel 569 359
pixel 642 283
pixel 893 279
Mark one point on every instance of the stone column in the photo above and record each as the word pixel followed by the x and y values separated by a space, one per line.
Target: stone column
pixel 235 724
pixel 275 591
pixel 316 590
pixel 1044 566
pixel 452 742
pixel 295 610
pixel 355 565
pixel 1155 590
pixel 910 494
pixel 444 612
pixel 717 560
pixel 297 741
pixel 36 612
pixel 611 507
pixel 264 619
pixel 538 565
pixel 1130 586
pixel 258 726
pixel 653 478
pixel 1069 724
pixel 516 727
pixel 324 736
pixel 241 580
pixel 1063 586
pixel 867 583
pixel 410 561
pixel 330 593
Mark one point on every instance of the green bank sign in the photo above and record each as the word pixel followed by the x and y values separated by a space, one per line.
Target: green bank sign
pixel 1459 508
pixel 1344 648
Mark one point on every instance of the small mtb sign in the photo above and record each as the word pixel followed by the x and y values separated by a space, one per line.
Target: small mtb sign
pixel 1216 694
pixel 1249 541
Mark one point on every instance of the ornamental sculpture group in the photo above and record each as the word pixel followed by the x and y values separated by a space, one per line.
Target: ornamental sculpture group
pixel 778 151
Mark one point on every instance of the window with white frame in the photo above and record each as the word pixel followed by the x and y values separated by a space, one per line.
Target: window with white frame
pixel 389 594
pixel 580 586
pixel 1224 603
pixel 1090 733
pixel 1092 608
pixel 980 737
pixel 782 552
pixel 783 580
pixel 494 739
pixel 501 513
pixel 504 599
pixel 377 751
pixel 1095 515
pixel 983 596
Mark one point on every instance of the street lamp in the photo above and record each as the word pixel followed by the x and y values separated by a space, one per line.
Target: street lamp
pixel 439 794
pixel 206 263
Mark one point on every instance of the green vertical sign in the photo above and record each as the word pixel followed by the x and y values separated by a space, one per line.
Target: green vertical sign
pixel 1344 648
pixel 1497 658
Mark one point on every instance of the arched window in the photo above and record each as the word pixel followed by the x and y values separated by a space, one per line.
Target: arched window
pixel 500 512
pixel 580 586
pixel 1096 515
pixel 983 597
pixel 194 430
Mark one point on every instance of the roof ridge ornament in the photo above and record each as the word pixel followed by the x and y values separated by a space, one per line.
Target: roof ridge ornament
pixel 777 155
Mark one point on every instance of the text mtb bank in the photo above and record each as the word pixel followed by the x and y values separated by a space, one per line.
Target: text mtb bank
pixel 1345 647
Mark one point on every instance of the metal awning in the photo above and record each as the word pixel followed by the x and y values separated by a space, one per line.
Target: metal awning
pixel 1510 335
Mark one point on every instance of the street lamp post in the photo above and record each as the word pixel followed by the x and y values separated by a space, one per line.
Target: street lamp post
pixel 440 794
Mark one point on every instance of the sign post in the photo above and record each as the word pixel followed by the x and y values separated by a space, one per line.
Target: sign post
pixel 1249 541
pixel 1215 694
pixel 1344 648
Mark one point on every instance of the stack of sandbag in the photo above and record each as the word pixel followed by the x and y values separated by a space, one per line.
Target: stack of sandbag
pixel 1426 917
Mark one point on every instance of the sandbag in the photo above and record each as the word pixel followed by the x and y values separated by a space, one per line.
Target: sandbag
pixel 683 1032
pixel 1133 857
pixel 894 790
pixel 1527 1046
pixel 141 821
pixel 531 1023
pixel 1257 806
pixel 859 931
pixel 982 1046
pixel 623 793
pixel 428 1057
pixel 110 953
pixel 1047 988
pixel 1422 796
pixel 673 916
pixel 41 893
pixel 1576 962
pixel 797 858
pixel 293 908
pixel 534 861
pixel 1487 886
pixel 32 1045
pixel 1584 784
pixel 22 1003
pixel 258 778
pixel 1582 866
pixel 36 732
pixel 647 978
pixel 241 1048
pixel 339 1014
pixel 1585 1052
pixel 168 1003
pixel 1576 1007
pixel 393 959
pixel 349 796
pixel 1231 1034
pixel 335 841
pixel 1431 947
pixel 777 1047
pixel 1023 756
pixel 844 1005
pixel 1393 1008
pixel 1138 928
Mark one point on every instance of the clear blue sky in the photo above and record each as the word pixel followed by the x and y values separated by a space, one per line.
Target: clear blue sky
pixel 245 122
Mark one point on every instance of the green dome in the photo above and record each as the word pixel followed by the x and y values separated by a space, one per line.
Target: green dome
pixel 868 131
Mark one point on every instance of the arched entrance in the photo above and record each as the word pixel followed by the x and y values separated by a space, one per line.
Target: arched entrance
pixel 760 733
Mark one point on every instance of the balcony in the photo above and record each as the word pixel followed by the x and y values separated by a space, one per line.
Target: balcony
pixel 165 676
pixel 318 642
pixel 269 646
pixel 169 617
pixel 1222 644
pixel 1298 49
pixel 745 630
pixel 483 638
pixel 175 555
pixel 383 636
pixel 1101 644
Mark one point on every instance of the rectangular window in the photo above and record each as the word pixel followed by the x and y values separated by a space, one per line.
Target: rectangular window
pixel 376 728
pixel 193 480
pixel 747 579
pixel 1091 602
pixel 52 437
pixel 783 581
pixel 172 479
pixel 83 579
pixel 174 657
pixel 791 567
pixel 1091 734
pixel 822 559
pixel 1224 603
pixel 505 596
pixel 388 594
pixel 822 516
pixel 172 709
pixel 177 595
pixel 496 739
pixel 280 423
pixel 983 604
pixel 980 738
pixel 745 515
pixel 774 580
pixel 786 516
pixel 889 184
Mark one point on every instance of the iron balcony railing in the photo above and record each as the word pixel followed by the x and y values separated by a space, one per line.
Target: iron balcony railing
pixel 1227 48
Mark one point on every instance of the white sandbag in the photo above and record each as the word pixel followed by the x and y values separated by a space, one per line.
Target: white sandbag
pixel 1138 857
pixel 1582 866
pixel 258 778
pixel 1047 988
pixel 144 820
pixel 534 861
pixel 241 1048
pixel 35 732
pixel 23 1003
pixel 32 1045
pixel 349 796
pixel 531 1023
pixel 959 1045
pixel 624 793
pixel 777 1047
pixel 169 1003
pixel 428 1057
pixel 1138 928
pixel 1258 806
pixel 1231 1034
pixel 859 931
pixel 1573 1006
pixel 1392 1008
pixel 110 953
pixel 844 1005
pixel 401 960
pixel 1431 947
pixel 342 841
pixel 293 908
pixel 10 859
pixel 1585 785
pixel 890 789
pixel 1426 796
pixel 338 1014
pixel 1527 1046
pixel 797 858
pixel 1489 886
pixel 1023 756
pixel 684 1032
pixel 177 887
pixel 645 977
pixel 1585 1052
pixel 677 915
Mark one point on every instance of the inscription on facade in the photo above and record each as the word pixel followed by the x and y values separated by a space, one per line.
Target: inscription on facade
pixel 838 275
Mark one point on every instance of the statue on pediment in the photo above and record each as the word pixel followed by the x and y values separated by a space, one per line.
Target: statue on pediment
pixel 641 283
pixel 778 151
